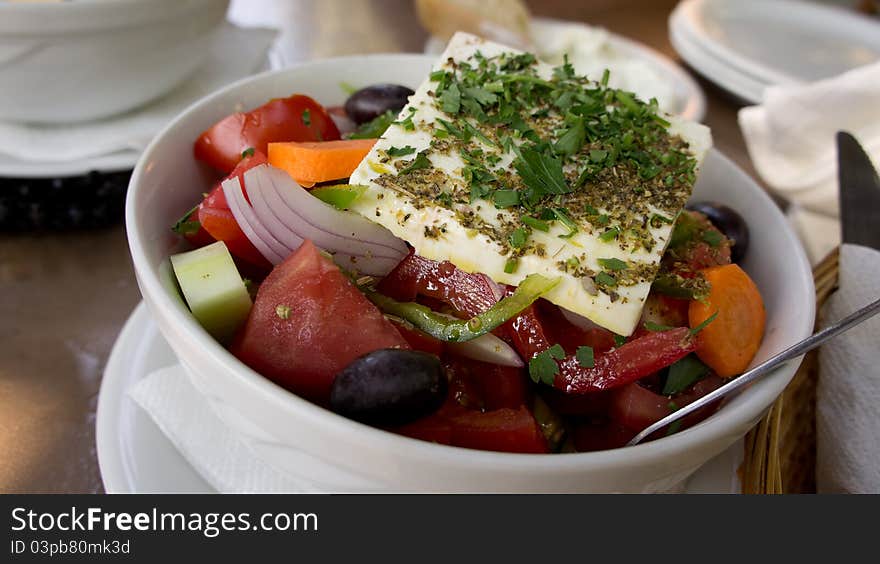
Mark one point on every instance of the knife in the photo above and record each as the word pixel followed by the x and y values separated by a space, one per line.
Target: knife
pixel 859 193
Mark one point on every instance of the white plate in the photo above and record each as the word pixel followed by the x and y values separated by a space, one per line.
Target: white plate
pixel 135 456
pixel 690 100
pixel 779 42
pixel 238 52
pixel 730 79
pixel 12 167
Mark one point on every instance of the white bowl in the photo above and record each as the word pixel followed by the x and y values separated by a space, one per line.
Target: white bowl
pixel 88 59
pixel 328 452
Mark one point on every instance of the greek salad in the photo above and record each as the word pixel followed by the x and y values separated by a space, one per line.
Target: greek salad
pixel 502 259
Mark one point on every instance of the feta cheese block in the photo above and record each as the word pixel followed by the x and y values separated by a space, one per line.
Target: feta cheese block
pixel 507 166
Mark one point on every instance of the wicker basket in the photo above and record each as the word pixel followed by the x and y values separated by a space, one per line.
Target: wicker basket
pixel 780 452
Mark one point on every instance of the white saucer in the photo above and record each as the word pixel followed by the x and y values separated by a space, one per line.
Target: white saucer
pixel 238 52
pixel 689 97
pixel 739 45
pixel 135 456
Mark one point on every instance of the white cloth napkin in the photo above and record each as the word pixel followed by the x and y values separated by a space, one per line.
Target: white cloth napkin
pixel 791 140
pixel 848 393
pixel 237 53
pixel 206 442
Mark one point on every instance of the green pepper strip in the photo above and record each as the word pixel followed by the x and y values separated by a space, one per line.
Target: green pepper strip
pixel 340 196
pixel 457 330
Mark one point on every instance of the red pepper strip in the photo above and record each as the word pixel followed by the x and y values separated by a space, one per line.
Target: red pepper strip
pixel 527 333
pixel 470 294
pixel 628 363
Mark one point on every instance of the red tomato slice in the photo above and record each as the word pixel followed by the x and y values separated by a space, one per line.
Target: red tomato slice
pixel 486 386
pixel 216 198
pixel 297 118
pixel 219 224
pixel 329 323
pixel 588 437
pixel 506 430
pixel 636 407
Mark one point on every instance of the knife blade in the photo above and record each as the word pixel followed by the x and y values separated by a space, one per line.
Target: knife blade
pixel 859 193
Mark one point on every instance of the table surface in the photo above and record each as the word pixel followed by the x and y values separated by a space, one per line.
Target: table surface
pixel 65 297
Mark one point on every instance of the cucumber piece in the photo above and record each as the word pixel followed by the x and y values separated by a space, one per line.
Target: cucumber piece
pixel 213 288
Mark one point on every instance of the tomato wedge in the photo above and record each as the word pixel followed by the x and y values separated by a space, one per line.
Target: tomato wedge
pixel 309 321
pixel 296 118
pixel 217 222
pixel 505 430
pixel 636 407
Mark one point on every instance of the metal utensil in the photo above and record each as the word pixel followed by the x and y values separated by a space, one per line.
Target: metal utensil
pixel 859 193
pixel 860 217
pixel 768 365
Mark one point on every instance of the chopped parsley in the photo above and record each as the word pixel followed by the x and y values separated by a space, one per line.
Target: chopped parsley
pixel 306 117
pixel 249 152
pixel 420 162
pixel 585 357
pixel 610 234
pixel 652 326
pixel 612 264
pixel 400 151
pixel 373 128
pixel 186 226
pixel 505 198
pixel 535 223
pixel 543 366
pixel 712 237
pixel 605 279
pixel 518 238
pixel 703 325
pixel 683 374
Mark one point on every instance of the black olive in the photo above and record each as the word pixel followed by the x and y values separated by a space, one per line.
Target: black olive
pixel 389 387
pixel 371 102
pixel 730 222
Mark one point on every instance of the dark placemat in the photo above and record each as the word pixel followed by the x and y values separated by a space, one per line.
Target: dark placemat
pixel 90 201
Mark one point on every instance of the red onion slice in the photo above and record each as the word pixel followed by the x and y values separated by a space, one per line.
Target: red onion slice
pixel 326 226
pixel 274 251
pixel 343 123
pixel 282 215
pixel 578 320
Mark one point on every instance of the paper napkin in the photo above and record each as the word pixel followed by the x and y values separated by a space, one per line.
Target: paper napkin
pixel 791 140
pixel 848 392
pixel 237 53
pixel 207 443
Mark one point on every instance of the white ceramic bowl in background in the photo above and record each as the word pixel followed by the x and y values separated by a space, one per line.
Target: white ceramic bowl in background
pixel 328 452
pixel 88 59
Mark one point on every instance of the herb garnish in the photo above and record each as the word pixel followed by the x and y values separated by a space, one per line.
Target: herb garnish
pixel 543 366
pixel 400 151
pixel 585 357
pixel 420 162
pixel 612 264
pixel 306 117
pixel 683 374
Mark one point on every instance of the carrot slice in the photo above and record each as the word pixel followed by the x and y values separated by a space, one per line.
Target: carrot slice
pixel 312 162
pixel 730 341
